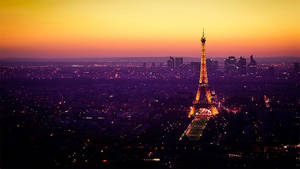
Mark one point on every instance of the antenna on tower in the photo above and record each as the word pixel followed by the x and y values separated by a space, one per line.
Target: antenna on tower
pixel 203 37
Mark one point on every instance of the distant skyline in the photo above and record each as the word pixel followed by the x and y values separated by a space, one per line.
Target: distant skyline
pixel 135 28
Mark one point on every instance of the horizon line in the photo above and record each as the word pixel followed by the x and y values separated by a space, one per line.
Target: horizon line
pixel 114 59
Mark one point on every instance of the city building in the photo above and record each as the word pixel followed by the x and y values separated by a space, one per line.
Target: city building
pixel 178 62
pixel 252 67
pixel 230 65
pixel 242 66
pixel 171 62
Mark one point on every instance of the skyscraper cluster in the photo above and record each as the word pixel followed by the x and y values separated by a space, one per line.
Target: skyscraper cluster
pixel 175 62
pixel 234 66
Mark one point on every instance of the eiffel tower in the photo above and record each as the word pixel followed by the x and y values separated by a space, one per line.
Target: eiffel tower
pixel 203 105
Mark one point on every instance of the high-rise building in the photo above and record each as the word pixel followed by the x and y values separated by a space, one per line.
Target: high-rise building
pixel 178 61
pixel 170 63
pixel 252 67
pixel 230 65
pixel 242 66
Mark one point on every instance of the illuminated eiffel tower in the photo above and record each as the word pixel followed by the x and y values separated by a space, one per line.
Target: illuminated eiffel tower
pixel 203 106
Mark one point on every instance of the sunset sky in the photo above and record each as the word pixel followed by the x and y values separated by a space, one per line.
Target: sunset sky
pixel 145 28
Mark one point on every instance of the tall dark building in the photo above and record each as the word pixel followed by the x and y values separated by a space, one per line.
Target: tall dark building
pixel 252 67
pixel 230 65
pixel 178 62
pixel 242 66
pixel 171 63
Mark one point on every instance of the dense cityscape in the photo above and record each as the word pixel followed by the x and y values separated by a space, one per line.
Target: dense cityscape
pixel 131 114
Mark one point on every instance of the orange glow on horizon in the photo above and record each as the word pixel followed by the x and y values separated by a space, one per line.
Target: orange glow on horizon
pixel 150 28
